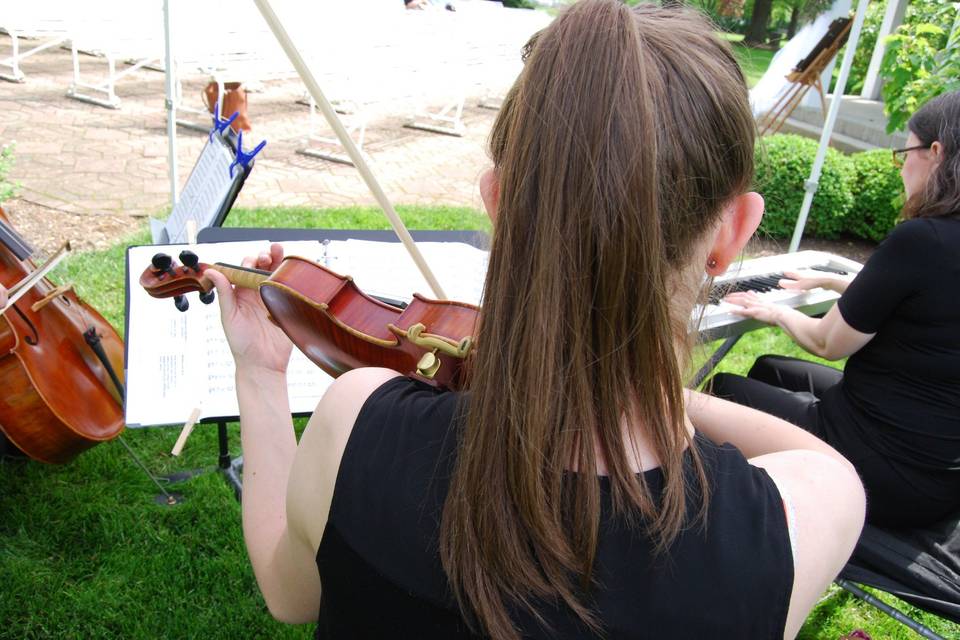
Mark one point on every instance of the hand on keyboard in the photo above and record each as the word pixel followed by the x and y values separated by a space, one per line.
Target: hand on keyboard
pixel 751 305
pixel 805 281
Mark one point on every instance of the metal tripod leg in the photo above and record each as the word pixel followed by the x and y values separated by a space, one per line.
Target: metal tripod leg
pixel 229 467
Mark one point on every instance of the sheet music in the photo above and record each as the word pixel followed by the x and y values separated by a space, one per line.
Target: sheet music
pixel 180 361
pixel 203 195
pixel 386 268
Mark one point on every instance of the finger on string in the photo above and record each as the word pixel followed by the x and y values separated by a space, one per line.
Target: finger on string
pixel 263 260
pixel 249 262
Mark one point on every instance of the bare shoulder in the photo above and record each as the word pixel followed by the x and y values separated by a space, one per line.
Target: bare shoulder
pixel 320 451
pixel 333 419
pixel 826 500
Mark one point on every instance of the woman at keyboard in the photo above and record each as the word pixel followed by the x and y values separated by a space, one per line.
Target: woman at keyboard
pixel 573 490
pixel 894 411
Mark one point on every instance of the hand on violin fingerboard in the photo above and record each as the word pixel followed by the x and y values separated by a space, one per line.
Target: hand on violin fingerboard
pixel 254 340
pixel 3 296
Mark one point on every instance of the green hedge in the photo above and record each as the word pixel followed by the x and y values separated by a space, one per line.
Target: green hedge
pixel 878 195
pixel 783 165
pixel 859 194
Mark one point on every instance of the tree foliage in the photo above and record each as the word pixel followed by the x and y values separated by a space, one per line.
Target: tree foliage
pixel 922 59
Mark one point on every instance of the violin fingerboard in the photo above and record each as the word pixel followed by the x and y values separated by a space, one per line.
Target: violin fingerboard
pixel 242 276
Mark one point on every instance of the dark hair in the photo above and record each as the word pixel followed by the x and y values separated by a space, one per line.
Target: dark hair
pixel 938 121
pixel 626 133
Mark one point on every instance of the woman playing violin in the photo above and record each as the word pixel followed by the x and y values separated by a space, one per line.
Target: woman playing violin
pixel 894 411
pixel 574 489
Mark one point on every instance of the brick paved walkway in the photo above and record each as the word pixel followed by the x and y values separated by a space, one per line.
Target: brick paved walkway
pixel 89 160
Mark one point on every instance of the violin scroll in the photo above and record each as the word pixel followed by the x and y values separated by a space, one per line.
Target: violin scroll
pixel 164 278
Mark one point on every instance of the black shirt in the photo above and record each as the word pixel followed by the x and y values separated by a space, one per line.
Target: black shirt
pixel 380 568
pixel 900 393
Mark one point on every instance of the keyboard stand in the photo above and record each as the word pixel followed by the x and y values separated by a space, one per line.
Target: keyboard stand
pixel 714 360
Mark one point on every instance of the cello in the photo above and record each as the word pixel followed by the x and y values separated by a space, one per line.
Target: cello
pixel 60 363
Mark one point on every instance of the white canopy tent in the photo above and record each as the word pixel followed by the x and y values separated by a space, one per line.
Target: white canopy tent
pixel 893 16
pixel 813 182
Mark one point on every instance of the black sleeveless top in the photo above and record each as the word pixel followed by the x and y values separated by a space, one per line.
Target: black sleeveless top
pixel 380 567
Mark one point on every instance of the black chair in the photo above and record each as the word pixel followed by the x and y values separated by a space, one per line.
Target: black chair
pixel 920 566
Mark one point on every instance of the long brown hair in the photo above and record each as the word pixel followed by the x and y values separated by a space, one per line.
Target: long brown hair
pixel 938 121
pixel 625 134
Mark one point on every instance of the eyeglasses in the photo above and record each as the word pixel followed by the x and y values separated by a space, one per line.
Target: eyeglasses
pixel 900 155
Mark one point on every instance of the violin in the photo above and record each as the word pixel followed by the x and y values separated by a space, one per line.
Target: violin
pixel 61 363
pixel 333 322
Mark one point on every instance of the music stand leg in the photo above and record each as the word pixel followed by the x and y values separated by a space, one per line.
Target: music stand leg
pixel 229 467
pixel 714 360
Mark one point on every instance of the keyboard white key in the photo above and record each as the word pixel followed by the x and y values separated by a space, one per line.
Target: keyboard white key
pixel 719 319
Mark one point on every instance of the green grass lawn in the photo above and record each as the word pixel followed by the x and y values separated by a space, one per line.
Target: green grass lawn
pixel 87 552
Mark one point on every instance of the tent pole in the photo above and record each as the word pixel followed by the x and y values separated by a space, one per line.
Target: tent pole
pixel 169 103
pixel 813 182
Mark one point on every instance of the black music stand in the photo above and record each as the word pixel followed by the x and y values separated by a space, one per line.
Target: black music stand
pixel 232 467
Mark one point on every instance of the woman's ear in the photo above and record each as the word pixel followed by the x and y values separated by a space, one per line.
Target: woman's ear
pixel 739 220
pixel 490 192
pixel 936 150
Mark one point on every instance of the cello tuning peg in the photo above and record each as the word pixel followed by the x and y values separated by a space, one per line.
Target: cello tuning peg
pixel 189 259
pixel 161 262
pixel 181 303
pixel 207 298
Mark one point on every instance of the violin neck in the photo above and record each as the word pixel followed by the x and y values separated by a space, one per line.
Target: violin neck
pixel 244 277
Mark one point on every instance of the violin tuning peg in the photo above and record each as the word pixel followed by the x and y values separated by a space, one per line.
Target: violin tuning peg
pixel 161 262
pixel 181 303
pixel 189 259
pixel 207 298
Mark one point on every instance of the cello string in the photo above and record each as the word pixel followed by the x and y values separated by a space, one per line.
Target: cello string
pixel 16 291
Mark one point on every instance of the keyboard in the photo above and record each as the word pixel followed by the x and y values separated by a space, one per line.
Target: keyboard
pixel 717 318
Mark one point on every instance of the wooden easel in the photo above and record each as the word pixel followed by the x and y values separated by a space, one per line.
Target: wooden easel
pixel 805 75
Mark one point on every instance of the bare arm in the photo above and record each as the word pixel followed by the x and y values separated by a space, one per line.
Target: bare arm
pixel 280 556
pixel 753 432
pixel 817 484
pixel 829 337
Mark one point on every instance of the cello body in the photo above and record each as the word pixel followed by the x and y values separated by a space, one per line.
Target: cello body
pixel 56 397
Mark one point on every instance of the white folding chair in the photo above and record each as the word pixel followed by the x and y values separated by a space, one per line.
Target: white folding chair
pixel 32 27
